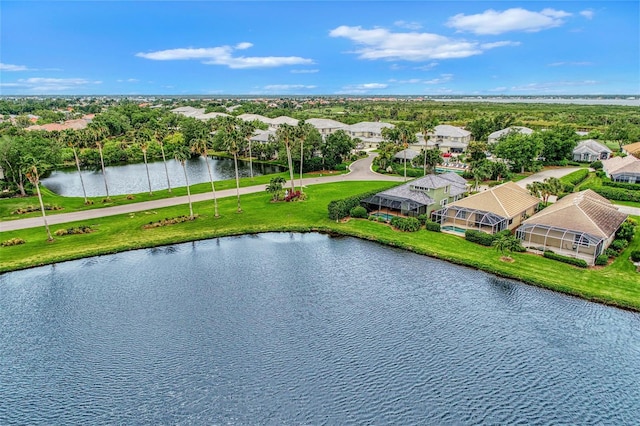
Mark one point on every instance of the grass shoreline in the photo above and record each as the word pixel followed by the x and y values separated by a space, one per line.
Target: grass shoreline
pixel 616 285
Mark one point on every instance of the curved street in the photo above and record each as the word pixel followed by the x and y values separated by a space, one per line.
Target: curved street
pixel 359 170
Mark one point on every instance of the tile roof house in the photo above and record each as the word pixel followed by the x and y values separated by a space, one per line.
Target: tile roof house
pixel 198 113
pixel 450 139
pixel 408 154
pixel 501 207
pixel 493 137
pixel 369 132
pixel 581 225
pixel 326 126
pixel 591 150
pixel 622 169
pixel 632 149
pixel 420 196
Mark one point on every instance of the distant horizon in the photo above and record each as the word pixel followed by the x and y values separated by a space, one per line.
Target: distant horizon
pixel 320 48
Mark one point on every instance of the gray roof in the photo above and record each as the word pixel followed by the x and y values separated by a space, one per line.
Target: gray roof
pixel 369 126
pixel 325 123
pixel 447 130
pixel 458 185
pixel 408 153
pixel 591 146
pixel 515 129
pixel 253 117
pixel 262 135
pixel 284 119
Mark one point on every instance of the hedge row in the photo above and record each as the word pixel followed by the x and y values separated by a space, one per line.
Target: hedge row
pixel 339 209
pixel 575 178
pixel 407 224
pixel 618 194
pixel 630 186
pixel 479 237
pixel 566 259
pixel 432 226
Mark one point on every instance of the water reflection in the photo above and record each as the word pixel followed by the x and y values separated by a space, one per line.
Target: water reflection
pixel 132 178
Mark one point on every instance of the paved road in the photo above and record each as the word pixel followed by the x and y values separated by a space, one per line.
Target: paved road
pixel 359 170
pixel 540 176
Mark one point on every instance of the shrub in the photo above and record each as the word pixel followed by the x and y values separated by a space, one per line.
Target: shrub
pixel 618 245
pixel 432 226
pixel 611 253
pixel 635 256
pixel 339 209
pixel 12 242
pixel 130 197
pixel 623 185
pixel 626 230
pixel 358 212
pixel 602 260
pixel 406 224
pixel 73 231
pixel 575 178
pixel 423 218
pixel 479 237
pixel 618 194
pixel 31 209
pixel 168 221
pixel 566 259
pixel 597 165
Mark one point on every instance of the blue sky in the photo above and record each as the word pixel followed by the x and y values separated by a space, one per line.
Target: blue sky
pixel 320 47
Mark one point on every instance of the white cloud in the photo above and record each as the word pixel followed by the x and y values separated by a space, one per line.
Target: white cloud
pixel 128 80
pixel 408 25
pixel 287 87
pixel 304 71
pixel 516 19
pixel 427 67
pixel 552 86
pixel 440 80
pixel 380 43
pixel 48 85
pixel 223 55
pixel 488 46
pixel 588 13
pixel 358 89
pixel 573 64
pixel 11 67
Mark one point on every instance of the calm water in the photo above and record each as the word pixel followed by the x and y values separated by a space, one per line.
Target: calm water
pixel 132 178
pixel 305 329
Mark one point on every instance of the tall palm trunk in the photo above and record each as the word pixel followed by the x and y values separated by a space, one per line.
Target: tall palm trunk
pixel 186 179
pixel 425 160
pixel 301 161
pixel 146 165
pixel 235 162
pixel 405 165
pixel 250 161
pixel 293 187
pixel 84 192
pixel 166 171
pixel 44 216
pixel 104 174
pixel 213 188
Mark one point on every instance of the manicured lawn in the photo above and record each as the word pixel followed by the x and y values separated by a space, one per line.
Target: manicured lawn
pixel 616 284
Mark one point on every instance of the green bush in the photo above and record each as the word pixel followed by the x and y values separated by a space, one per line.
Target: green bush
pixel 627 230
pixel 623 185
pixel 602 260
pixel 597 165
pixel 74 231
pixel 12 242
pixel 406 224
pixel 479 237
pixel 339 209
pixel 609 252
pixel 575 178
pixel 358 212
pixel 432 226
pixel 619 245
pixel 635 256
pixel 566 259
pixel 618 194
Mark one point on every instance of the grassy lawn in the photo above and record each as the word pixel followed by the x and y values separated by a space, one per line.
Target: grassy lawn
pixel 616 284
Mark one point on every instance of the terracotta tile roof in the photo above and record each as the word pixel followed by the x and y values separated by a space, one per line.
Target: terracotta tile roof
pixel 632 148
pixel 584 211
pixel 506 200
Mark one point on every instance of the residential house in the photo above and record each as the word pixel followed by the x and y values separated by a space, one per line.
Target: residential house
pixel 495 136
pixel 406 154
pixel 450 139
pixel 632 149
pixel 590 151
pixel 370 133
pixel 198 113
pixel 622 169
pixel 326 126
pixel 420 196
pixel 501 207
pixel 580 225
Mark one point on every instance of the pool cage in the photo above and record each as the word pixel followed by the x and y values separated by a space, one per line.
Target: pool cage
pixel 456 216
pixel 391 204
pixel 561 241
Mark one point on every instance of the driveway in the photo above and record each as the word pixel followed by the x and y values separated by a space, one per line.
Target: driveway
pixel 541 176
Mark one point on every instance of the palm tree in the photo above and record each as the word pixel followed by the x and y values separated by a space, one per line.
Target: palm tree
pixel 302 131
pixel 200 146
pixel 159 136
pixel 70 138
pixel 432 158
pixel 182 155
pixel 246 129
pixel 508 243
pixel 97 134
pixel 34 177
pixel 426 126
pixel 143 138
pixel 406 136
pixel 286 134
pixel 232 141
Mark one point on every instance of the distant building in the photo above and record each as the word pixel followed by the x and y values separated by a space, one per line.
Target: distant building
pixel 326 126
pixel 369 132
pixel 495 136
pixel 591 150
pixel 622 169
pixel 450 139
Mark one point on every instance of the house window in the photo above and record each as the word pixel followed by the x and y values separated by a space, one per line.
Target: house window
pixel 580 239
pixel 462 214
pixel 443 202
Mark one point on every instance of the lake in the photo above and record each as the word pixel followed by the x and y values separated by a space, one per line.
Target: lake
pixel 132 178
pixel 305 329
